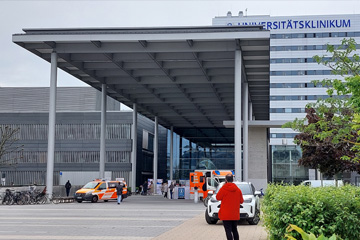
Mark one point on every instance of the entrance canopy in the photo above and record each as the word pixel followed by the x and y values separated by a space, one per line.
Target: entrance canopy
pixel 182 75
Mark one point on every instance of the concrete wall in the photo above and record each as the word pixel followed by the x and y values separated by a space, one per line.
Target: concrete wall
pixel 258 148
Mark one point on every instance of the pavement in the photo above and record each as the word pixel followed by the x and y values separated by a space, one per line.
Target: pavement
pixel 197 228
pixel 136 218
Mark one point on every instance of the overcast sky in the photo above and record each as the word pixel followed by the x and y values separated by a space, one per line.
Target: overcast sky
pixel 20 68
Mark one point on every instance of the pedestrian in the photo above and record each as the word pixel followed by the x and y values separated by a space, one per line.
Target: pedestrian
pixel 67 187
pixel 162 188
pixel 145 188
pixel 231 197
pixel 171 188
pixel 151 188
pixel 119 190
pixel 166 188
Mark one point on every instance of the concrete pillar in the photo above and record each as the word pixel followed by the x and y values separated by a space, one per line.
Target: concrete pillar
pixel 237 120
pixel 51 132
pixel 134 149
pixel 258 153
pixel 102 132
pixel 171 152
pixel 250 111
pixel 156 145
pixel 246 133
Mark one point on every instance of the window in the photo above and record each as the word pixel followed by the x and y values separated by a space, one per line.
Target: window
pixel 102 186
pixel 112 184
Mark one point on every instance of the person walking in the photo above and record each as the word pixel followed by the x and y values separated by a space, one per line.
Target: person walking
pixel 151 188
pixel 145 188
pixel 119 190
pixel 171 188
pixel 67 187
pixel 162 188
pixel 231 197
pixel 166 188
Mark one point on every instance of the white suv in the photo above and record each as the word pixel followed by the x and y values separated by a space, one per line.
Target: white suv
pixel 249 210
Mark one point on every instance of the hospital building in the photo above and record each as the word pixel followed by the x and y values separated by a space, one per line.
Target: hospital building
pixel 294 40
pixel 212 97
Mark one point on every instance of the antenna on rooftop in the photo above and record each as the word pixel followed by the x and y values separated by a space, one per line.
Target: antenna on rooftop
pixel 245 12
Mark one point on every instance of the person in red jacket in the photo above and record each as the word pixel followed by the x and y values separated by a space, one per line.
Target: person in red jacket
pixel 231 197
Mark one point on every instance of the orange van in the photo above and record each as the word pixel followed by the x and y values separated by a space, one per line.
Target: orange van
pixel 99 190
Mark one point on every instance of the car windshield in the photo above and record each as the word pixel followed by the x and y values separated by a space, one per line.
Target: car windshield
pixel 244 187
pixel 90 185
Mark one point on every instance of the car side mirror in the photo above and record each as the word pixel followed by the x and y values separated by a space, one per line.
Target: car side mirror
pixel 210 193
pixel 257 193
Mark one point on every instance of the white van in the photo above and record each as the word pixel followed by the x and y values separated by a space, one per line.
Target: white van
pixel 326 183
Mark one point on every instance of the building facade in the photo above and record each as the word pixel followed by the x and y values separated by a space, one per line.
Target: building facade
pixel 294 40
pixel 77 137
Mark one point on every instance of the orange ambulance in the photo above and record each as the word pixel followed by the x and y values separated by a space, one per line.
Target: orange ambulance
pixel 206 180
pixel 99 189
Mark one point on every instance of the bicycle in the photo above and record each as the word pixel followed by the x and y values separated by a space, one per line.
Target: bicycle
pixel 8 197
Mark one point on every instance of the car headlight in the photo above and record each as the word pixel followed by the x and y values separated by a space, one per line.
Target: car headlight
pixel 248 200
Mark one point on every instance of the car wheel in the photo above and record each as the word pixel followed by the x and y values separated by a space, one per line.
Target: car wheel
pixel 256 219
pixel 79 201
pixel 209 219
pixel 94 199
pixel 205 201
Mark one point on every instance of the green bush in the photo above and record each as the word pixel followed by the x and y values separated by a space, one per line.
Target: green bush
pixel 327 210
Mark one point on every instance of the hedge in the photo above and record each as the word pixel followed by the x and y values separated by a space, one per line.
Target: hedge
pixel 323 210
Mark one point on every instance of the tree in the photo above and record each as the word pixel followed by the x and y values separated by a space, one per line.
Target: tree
pixel 329 135
pixel 10 151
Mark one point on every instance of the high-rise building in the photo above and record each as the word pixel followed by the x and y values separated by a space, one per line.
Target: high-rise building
pixel 294 41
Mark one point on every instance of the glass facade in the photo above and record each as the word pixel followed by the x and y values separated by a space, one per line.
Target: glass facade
pixel 200 153
pixel 285 167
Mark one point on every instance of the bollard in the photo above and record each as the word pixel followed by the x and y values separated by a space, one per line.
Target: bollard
pixel 196 195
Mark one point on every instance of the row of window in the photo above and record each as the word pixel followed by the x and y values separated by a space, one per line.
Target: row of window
pixel 287 110
pixel 304 97
pixel 283 135
pixel 300 72
pixel 294 85
pixel 295 60
pixel 71 131
pixel 69 157
pixel 304 47
pixel 315 35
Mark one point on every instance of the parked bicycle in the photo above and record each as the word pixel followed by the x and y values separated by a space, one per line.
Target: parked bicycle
pixel 11 197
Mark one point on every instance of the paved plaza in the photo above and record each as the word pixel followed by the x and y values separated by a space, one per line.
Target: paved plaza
pixel 138 217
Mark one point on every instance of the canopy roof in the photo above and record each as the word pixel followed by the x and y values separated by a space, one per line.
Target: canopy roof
pixel 183 75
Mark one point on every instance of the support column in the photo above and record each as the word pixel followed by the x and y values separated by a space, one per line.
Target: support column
pixel 51 132
pixel 250 111
pixel 134 149
pixel 246 133
pixel 102 132
pixel 237 120
pixel 156 145
pixel 171 152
